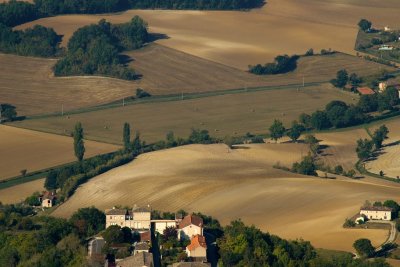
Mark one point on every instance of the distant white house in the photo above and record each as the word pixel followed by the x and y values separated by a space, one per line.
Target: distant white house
pixel 376 213
pixel 47 199
pixel 386 48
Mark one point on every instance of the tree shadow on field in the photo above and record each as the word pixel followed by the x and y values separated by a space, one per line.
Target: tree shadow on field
pixel 152 37
pixel 395 143
pixel 125 59
pixel 240 147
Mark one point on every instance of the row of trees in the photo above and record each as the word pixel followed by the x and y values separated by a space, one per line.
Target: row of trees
pixel 13 13
pixel 281 64
pixel 37 41
pixel 95 49
pixel 68 178
pixel 338 114
pixel 343 78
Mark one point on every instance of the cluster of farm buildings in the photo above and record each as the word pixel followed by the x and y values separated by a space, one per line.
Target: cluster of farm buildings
pixel 139 221
pixel 382 87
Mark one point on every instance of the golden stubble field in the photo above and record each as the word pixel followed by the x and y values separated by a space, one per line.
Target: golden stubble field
pixel 241 38
pixel 20 192
pixel 234 114
pixel 31 150
pixel 240 183
pixel 388 159
pixel 28 83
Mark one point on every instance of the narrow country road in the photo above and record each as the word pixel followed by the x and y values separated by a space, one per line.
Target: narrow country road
pixel 392 233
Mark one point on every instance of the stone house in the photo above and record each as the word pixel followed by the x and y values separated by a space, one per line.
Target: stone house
pixel 376 213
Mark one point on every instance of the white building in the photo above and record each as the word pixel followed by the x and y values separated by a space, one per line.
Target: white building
pixel 137 218
pixel 190 226
pixel 161 225
pixel 377 213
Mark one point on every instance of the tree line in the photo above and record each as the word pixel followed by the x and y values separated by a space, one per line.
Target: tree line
pixel 68 178
pixel 338 114
pixel 281 64
pixel 95 49
pixel 14 12
pixel 37 41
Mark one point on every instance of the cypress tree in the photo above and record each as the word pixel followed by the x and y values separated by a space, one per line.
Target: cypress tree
pixel 79 146
pixel 127 136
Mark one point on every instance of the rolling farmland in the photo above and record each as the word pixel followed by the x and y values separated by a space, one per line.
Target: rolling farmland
pixel 241 38
pixel 232 114
pixel 210 179
pixel 28 83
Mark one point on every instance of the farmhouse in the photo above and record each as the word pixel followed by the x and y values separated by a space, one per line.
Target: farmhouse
pixel 190 226
pixel 376 213
pixel 197 249
pixel 47 199
pixel 385 48
pixel 137 218
pixel 365 91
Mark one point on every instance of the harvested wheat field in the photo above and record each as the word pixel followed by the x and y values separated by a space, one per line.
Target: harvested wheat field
pixel 30 150
pixel 28 84
pixel 341 147
pixel 240 38
pixel 20 192
pixel 167 71
pixel 233 114
pixel 239 183
pixel 388 159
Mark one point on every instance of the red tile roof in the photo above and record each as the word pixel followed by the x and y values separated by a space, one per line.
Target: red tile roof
pixel 377 208
pixel 197 241
pixel 191 219
pixel 365 91
pixel 145 236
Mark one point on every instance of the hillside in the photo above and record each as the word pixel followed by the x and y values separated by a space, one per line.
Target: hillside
pixel 239 183
pixel 241 38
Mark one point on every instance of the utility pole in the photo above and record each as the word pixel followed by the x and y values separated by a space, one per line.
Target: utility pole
pixel 62 109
